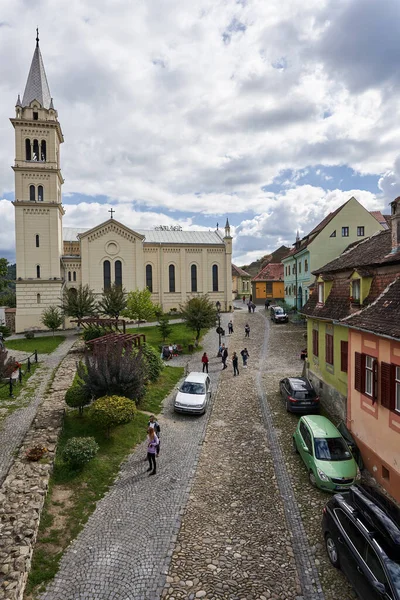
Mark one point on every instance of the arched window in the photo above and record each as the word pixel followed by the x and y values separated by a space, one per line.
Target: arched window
pixel 28 150
pixel 32 193
pixel 107 274
pixel 118 273
pixel 36 155
pixel 40 193
pixel 74 276
pixel 43 150
pixel 38 271
pixel 171 273
pixel 38 298
pixel 73 292
pixel 215 278
pixel 149 277
pixel 193 278
pixel 37 241
pixel 69 275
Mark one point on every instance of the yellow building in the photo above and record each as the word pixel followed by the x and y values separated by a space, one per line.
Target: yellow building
pixel 268 284
pixel 241 282
pixel 174 264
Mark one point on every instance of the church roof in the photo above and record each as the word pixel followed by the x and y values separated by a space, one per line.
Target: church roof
pixel 37 87
pixel 70 234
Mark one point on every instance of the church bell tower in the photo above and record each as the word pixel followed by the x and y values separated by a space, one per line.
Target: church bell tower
pixel 38 208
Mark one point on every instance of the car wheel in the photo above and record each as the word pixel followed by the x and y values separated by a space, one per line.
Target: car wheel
pixel 312 479
pixel 332 550
pixel 294 446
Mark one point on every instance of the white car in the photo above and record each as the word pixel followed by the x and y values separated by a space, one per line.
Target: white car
pixel 194 394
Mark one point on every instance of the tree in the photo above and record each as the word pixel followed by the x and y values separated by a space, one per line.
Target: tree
pixel 3 273
pixel 8 298
pixel 79 303
pixel 139 306
pixel 199 313
pixel 113 301
pixel 164 326
pixel 52 318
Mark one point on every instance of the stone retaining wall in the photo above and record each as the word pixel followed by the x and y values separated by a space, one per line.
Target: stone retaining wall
pixel 24 490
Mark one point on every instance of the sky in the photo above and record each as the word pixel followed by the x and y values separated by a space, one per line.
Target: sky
pixel 271 113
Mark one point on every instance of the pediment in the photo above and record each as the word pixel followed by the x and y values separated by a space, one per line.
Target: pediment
pixel 111 226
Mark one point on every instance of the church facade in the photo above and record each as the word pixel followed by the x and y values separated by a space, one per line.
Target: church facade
pixel 175 265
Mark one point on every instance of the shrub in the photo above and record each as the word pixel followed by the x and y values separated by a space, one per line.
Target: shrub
pixel 77 396
pixel 153 362
pixel 110 411
pixel 93 332
pixel 113 369
pixel 5 331
pixel 29 335
pixel 79 451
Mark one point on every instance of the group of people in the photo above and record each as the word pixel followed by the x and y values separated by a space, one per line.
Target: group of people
pixel 169 351
pixel 223 352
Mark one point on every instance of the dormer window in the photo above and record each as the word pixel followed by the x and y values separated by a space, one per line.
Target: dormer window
pixel 321 293
pixel 35 116
pixel 356 290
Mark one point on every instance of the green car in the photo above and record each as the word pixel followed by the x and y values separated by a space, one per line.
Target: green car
pixel 328 458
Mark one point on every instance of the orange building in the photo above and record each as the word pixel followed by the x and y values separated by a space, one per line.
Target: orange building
pixel 268 284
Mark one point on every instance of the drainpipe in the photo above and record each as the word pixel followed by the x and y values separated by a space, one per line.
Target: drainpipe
pixel 296 291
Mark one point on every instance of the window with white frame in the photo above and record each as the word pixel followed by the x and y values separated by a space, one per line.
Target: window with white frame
pixel 369 375
pixel 397 388
pixel 321 293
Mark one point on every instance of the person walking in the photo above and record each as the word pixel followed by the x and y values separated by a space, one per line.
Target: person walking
pixel 204 360
pixel 235 361
pixel 154 424
pixel 244 299
pixel 253 307
pixel 247 330
pixel 245 355
pixel 230 327
pixel 224 357
pixel 152 443
pixel 249 306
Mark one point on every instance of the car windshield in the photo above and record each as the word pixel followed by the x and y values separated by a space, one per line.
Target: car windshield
pixel 190 387
pixel 279 311
pixel 331 449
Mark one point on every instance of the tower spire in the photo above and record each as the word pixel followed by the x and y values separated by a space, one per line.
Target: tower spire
pixel 37 87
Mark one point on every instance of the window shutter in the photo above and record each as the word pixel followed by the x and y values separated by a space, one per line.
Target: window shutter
pixel 357 372
pixel 344 350
pixel 375 381
pixel 363 361
pixel 388 385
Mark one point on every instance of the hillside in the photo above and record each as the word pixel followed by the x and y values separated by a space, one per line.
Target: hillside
pixel 276 257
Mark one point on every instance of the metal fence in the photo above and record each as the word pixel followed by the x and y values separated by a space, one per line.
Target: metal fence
pixel 23 369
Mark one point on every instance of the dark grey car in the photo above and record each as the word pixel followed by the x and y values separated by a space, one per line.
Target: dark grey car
pixel 299 395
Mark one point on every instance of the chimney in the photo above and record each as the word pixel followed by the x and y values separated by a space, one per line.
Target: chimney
pixel 395 224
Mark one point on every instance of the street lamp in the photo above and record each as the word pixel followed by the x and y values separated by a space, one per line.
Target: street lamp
pixel 219 328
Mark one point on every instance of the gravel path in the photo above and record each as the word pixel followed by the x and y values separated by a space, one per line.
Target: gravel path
pixel 14 427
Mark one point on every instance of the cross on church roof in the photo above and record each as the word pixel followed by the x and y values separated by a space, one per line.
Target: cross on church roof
pixel 112 212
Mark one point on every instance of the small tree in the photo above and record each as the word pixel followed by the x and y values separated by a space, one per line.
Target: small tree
pixel 79 303
pixel 152 361
pixel 110 411
pixel 139 306
pixel 113 369
pixel 164 326
pixel 113 301
pixel 198 313
pixel 52 318
pixel 77 396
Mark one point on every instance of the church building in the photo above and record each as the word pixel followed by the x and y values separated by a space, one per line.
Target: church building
pixel 175 265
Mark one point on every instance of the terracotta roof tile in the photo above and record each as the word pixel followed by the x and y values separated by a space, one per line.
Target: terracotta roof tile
pixel 337 305
pixel 271 272
pixel 238 272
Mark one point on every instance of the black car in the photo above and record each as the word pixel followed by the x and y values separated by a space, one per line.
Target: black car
pixel 362 537
pixel 299 395
pixel 278 315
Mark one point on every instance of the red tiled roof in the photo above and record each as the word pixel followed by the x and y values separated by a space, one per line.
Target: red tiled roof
pixel 238 272
pixel 380 218
pixel 337 305
pixel 271 272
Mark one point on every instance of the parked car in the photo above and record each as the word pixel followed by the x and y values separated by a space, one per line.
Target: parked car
pixel 328 458
pixel 278 315
pixel 299 395
pixel 194 394
pixel 362 537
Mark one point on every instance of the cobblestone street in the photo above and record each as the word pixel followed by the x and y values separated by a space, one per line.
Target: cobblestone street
pixel 230 513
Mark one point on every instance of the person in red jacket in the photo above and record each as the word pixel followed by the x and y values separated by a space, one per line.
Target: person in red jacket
pixel 204 360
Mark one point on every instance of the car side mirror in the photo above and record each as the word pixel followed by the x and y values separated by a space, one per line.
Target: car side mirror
pixel 305 448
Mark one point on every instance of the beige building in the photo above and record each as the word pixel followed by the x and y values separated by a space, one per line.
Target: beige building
pixel 175 265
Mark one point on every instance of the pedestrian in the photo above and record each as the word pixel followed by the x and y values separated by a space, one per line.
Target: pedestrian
pixel 154 424
pixel 220 349
pixel 245 355
pixel 152 443
pixel 204 360
pixel 267 304
pixel 230 327
pixel 249 306
pixel 247 330
pixel 235 361
pixel 224 357
pixel 253 306
pixel 244 299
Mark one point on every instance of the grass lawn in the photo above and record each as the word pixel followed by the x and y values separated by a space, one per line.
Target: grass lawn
pixel 72 494
pixel 180 334
pixel 9 404
pixel 44 345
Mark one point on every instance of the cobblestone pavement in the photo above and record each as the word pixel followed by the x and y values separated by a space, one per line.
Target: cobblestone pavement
pixel 124 550
pixel 14 427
